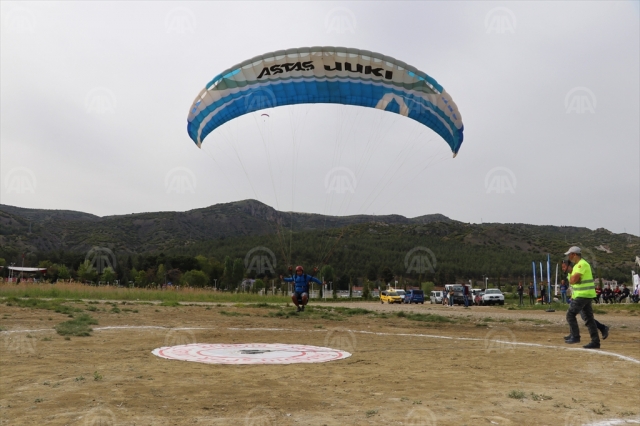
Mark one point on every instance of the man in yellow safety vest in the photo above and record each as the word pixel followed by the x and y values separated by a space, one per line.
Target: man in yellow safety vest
pixel 583 291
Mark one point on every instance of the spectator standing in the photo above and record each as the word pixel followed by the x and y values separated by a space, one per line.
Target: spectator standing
pixel 520 294
pixel 542 289
pixel 466 296
pixel 531 295
pixel 563 290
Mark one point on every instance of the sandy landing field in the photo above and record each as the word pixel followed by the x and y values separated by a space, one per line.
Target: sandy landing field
pixel 402 372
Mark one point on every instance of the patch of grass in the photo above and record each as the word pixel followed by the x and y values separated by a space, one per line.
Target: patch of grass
pixel 79 379
pixel 170 303
pixel 76 327
pixel 488 319
pixel 97 376
pixel 371 413
pixel 135 311
pixel 37 400
pixel 234 314
pixel 47 339
pixel 623 326
pixel 517 394
pixel 481 324
pixel 317 326
pixel 92 308
pixel 115 310
pixel 540 397
pixel 51 305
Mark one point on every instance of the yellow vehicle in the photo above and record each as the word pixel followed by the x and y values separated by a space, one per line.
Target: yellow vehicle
pixel 390 297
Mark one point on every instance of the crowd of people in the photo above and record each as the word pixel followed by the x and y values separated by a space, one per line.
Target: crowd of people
pixel 617 295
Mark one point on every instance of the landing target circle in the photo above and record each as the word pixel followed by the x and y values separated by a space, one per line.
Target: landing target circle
pixel 250 353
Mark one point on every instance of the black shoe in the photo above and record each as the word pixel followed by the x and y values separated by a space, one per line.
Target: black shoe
pixel 592 345
pixel 299 309
pixel 302 308
pixel 567 337
pixel 605 333
pixel 572 340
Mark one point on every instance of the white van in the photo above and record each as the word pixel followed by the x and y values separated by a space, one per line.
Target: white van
pixel 436 296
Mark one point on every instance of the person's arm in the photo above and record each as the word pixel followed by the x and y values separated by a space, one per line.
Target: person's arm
pixel 576 277
pixel 314 279
pixel 288 279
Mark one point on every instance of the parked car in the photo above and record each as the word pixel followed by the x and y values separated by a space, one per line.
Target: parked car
pixel 492 296
pixel 390 297
pixel 414 296
pixel 436 296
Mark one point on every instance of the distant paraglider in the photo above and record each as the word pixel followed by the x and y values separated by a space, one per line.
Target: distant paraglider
pixel 325 75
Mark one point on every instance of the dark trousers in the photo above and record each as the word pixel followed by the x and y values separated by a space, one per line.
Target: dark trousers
pixel 521 300
pixel 564 296
pixel 583 307
pixel 532 300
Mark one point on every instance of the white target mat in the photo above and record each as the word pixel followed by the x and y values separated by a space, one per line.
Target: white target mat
pixel 250 353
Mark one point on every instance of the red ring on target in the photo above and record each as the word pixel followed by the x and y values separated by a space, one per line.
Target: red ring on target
pixel 250 353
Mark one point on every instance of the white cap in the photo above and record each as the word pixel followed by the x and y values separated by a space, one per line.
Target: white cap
pixel 574 249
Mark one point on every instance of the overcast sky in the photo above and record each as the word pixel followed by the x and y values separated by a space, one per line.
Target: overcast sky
pixel 95 96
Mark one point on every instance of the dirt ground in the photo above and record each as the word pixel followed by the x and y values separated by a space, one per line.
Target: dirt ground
pixel 403 371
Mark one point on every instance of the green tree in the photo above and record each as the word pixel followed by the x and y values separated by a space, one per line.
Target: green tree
pixel 195 278
pixel 258 285
pixel 161 274
pixel 63 273
pixel 228 272
pixel 140 279
pixel 3 262
pixel 108 275
pixel 237 272
pixel 386 274
pixel 372 274
pixel 86 272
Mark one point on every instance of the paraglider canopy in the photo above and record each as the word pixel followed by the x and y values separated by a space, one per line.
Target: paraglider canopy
pixel 325 75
